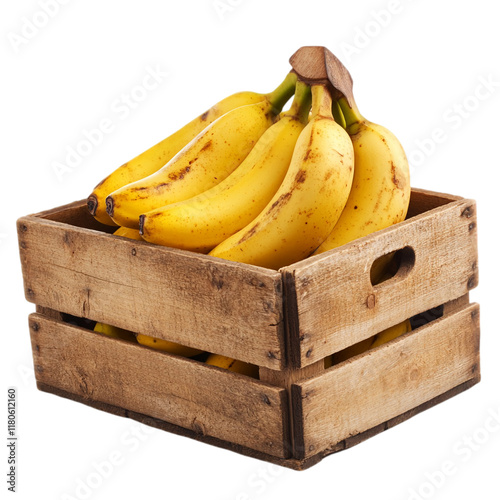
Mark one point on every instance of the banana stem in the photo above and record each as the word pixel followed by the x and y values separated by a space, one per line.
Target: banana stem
pixel 338 115
pixel 281 94
pixel 301 104
pixel 321 101
pixel 351 115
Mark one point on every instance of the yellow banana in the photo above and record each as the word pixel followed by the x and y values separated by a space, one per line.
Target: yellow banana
pixel 379 197
pixel 351 351
pixel 203 163
pixel 391 333
pixel 114 332
pixel 202 222
pixel 126 232
pixel 233 365
pixel 159 155
pixel 380 191
pixel 308 203
pixel 167 346
pixel 369 343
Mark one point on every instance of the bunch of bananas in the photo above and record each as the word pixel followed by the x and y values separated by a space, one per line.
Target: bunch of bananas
pixel 248 182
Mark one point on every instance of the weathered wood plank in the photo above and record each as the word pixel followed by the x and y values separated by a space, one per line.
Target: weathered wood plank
pixel 365 391
pixel 360 438
pixel 205 399
pixel 336 304
pixel 291 463
pixel 76 214
pixel 456 304
pixel 49 313
pixel 422 200
pixel 188 298
pixel 61 211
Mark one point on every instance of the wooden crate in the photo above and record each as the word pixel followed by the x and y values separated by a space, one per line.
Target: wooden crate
pixel 286 322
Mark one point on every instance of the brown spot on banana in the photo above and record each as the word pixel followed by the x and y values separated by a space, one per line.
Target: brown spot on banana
pixel 281 200
pixel 249 234
pixel 178 175
pixel 311 138
pixel 300 177
pixel 399 182
pixel 208 145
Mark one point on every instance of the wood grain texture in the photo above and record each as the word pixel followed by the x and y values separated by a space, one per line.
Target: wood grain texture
pixel 336 304
pixel 372 388
pixel 456 304
pixel 291 463
pixel 192 299
pixel 76 214
pixel 208 400
pixel 176 429
pixel 422 200
pixel 351 441
pixel 49 313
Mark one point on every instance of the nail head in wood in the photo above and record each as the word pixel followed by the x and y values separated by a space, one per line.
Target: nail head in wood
pixel 468 212
pixel 371 301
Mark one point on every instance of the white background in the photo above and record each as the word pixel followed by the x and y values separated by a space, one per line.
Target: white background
pixel 416 65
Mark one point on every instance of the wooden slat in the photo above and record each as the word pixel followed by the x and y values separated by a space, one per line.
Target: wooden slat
pixel 205 399
pixel 76 214
pixel 360 438
pixel 189 298
pixel 291 463
pixel 422 201
pixel 49 313
pixel 336 304
pixel 372 388
pixel 456 304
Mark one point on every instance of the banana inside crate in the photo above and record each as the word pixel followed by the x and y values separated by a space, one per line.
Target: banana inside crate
pixel 249 182
pixel 217 360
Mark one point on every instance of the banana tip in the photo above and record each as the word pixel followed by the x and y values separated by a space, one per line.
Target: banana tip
pixel 92 204
pixel 109 206
pixel 141 225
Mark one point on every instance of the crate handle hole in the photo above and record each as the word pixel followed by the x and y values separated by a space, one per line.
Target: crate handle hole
pixel 394 264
